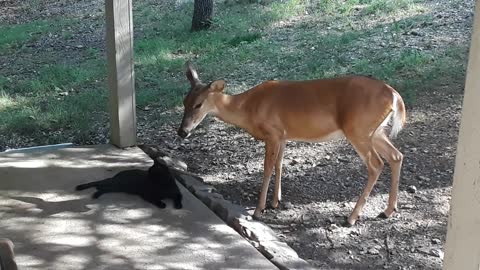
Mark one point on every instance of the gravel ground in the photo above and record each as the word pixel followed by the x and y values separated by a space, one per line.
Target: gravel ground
pixel 322 181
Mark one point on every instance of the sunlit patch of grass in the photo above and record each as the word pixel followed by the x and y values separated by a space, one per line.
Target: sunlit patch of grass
pixel 289 8
pixel 6 101
pixel 162 51
pixel 386 6
pixel 28 115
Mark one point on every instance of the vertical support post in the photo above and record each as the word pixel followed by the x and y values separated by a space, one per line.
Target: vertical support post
pixel 120 72
pixel 462 249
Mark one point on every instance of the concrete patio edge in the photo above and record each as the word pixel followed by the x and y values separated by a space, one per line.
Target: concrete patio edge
pixel 262 237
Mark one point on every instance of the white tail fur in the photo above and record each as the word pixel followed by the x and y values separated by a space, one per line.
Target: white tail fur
pixel 397 116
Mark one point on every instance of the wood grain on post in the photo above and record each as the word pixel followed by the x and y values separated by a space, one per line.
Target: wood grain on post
pixel 120 72
pixel 462 249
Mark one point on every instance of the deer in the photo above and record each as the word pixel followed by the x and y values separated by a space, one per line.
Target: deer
pixel 357 108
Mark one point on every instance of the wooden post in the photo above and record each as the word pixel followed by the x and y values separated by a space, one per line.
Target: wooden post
pixel 462 249
pixel 120 72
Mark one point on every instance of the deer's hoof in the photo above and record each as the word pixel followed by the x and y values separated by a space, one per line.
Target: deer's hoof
pixel 382 215
pixel 257 214
pixel 275 205
pixel 347 224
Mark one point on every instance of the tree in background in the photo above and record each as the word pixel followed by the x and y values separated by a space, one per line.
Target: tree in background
pixel 202 15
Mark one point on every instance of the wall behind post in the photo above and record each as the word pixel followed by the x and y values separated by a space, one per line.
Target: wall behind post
pixel 120 72
pixel 463 236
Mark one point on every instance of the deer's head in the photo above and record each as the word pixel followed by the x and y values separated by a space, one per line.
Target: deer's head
pixel 198 102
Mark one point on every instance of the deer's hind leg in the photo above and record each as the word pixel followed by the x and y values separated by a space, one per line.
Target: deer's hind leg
pixel 277 192
pixel 394 158
pixel 365 149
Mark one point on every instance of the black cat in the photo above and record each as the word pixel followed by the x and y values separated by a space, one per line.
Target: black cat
pixel 153 185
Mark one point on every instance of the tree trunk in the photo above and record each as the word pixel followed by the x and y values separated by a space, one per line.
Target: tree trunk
pixel 202 14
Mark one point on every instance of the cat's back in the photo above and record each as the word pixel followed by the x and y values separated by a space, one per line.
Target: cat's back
pixel 130 174
pixel 131 181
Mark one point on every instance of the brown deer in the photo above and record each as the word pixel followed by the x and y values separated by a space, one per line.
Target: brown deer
pixel 358 108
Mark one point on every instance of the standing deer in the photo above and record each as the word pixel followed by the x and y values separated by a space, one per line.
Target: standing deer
pixel 356 107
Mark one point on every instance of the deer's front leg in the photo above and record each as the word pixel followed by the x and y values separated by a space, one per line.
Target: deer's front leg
pixel 271 153
pixel 277 192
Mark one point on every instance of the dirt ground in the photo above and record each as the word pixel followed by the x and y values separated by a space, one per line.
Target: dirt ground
pixel 322 181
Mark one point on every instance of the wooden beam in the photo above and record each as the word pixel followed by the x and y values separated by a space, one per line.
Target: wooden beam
pixel 120 72
pixel 462 249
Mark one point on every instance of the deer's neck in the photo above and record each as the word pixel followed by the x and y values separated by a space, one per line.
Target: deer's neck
pixel 230 109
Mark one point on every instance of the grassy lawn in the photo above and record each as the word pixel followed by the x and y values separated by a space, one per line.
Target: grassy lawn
pixel 54 90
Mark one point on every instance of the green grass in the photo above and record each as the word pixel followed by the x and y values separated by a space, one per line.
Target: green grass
pixel 15 36
pixel 56 96
pixel 162 51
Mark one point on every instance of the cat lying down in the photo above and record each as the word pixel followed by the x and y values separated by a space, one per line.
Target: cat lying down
pixel 153 186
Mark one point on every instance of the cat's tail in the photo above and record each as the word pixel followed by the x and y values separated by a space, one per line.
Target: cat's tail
pixel 85 186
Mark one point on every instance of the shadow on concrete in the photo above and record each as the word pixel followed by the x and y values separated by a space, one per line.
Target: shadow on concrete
pixel 55 227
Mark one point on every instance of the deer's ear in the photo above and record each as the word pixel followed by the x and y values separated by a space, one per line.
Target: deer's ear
pixel 191 74
pixel 217 86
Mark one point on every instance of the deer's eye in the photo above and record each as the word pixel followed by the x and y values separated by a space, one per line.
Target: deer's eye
pixel 198 106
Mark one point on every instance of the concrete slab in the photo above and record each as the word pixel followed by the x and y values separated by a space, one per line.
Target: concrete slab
pixel 55 227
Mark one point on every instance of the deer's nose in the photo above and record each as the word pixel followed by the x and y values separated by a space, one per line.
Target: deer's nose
pixel 182 133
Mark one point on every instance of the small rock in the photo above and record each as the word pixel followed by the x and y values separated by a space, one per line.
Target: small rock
pixel 437 253
pixel 343 159
pixel 354 233
pixel 422 198
pixel 423 178
pixel 333 227
pixel 407 206
pixel 373 251
pixel 306 218
pixel 288 205
pixel 327 157
pixel 436 241
pixel 294 162
pixel 414 33
pixel 412 189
